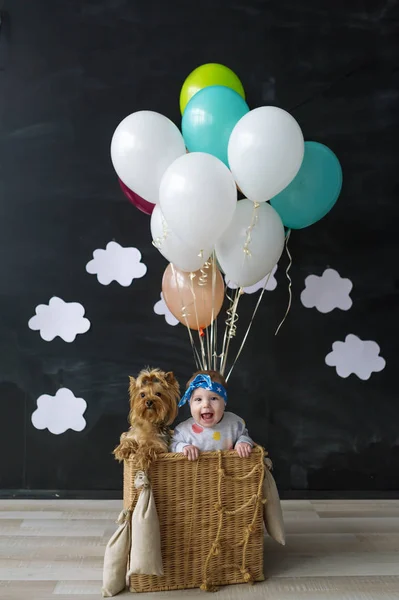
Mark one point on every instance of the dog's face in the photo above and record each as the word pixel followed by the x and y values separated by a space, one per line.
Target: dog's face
pixel 153 397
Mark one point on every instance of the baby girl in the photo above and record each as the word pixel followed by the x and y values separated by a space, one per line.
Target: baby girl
pixel 210 427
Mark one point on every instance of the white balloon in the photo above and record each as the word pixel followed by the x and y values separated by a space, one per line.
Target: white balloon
pixel 143 146
pixel 198 198
pixel 265 151
pixel 172 248
pixel 264 242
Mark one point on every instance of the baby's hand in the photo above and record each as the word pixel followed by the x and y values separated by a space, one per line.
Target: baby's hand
pixel 243 449
pixel 191 452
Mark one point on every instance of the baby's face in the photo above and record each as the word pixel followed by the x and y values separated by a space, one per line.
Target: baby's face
pixel 206 407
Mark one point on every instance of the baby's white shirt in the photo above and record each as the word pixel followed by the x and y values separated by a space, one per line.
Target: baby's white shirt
pixel 223 436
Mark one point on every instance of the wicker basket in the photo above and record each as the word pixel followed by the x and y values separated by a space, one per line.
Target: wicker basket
pixel 210 514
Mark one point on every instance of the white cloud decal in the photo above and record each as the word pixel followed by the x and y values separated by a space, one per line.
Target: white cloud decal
pixel 60 412
pixel 160 308
pixel 271 284
pixel 355 356
pixel 116 263
pixel 59 318
pixel 327 292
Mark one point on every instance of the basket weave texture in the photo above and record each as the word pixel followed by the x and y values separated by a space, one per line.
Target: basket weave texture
pixel 210 514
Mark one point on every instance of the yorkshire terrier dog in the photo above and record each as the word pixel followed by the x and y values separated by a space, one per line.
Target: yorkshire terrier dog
pixel 153 407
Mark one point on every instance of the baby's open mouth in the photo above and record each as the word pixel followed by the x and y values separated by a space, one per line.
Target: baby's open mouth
pixel 207 416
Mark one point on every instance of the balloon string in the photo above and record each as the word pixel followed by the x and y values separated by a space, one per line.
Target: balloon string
pixel 203 278
pixel 221 355
pixel 246 252
pixel 287 273
pixel 197 359
pixel 249 326
pixel 211 349
pixel 200 337
pixel 213 358
pixel 215 346
pixel 254 220
pixel 202 282
pixel 233 316
pixel 160 240
pixel 208 347
pixel 184 313
pixel 231 326
pixel 246 255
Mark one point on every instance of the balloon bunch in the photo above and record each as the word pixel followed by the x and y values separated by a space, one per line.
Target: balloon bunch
pixel 188 183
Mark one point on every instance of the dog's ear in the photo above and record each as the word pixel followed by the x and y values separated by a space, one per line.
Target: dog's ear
pixel 174 395
pixel 172 382
pixel 173 411
pixel 170 378
pixel 132 387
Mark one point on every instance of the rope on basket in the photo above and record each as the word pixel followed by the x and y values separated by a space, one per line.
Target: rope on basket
pixel 257 500
pixel 187 557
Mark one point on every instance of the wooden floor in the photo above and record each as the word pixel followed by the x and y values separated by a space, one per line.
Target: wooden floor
pixel 337 550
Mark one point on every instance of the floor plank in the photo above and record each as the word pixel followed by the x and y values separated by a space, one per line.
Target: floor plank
pixel 336 550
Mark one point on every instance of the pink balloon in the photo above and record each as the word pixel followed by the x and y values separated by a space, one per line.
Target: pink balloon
pixel 136 200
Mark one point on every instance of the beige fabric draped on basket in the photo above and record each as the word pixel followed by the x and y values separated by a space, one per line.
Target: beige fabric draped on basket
pixel 211 519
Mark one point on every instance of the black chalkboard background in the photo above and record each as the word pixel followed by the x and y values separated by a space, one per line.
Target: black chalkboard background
pixel 70 70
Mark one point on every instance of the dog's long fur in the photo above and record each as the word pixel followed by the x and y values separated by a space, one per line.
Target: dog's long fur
pixel 153 407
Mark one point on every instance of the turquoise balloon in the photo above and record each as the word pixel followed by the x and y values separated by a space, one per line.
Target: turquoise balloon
pixel 314 190
pixel 209 119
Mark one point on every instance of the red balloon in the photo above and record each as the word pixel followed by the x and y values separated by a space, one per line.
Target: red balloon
pixel 136 200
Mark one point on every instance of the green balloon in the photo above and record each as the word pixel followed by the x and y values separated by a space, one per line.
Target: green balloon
pixel 205 76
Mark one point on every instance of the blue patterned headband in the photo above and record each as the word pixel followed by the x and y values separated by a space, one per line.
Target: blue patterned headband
pixel 205 382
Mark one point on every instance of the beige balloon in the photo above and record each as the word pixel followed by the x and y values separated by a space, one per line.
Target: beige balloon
pixel 190 296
